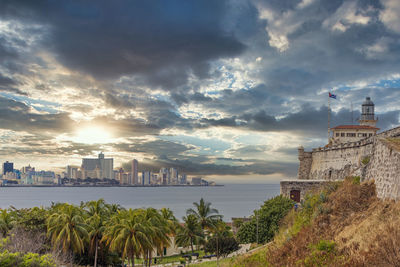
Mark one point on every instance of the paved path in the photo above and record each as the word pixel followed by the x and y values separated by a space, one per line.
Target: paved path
pixel 244 248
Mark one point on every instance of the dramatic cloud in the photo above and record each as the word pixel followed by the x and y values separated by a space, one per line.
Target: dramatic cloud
pixel 229 87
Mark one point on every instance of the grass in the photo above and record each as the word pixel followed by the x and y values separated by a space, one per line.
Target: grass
pixel 344 225
pixel 170 259
pixel 227 262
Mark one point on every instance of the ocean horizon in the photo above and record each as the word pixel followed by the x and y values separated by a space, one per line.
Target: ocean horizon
pixel 231 200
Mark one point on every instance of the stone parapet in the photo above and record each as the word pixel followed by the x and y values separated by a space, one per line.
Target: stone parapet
pixel 371 158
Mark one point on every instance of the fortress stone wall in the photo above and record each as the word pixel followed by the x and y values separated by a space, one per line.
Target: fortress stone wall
pixel 372 158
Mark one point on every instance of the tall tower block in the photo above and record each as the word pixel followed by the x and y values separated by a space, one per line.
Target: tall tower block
pixel 134 171
pixel 368 113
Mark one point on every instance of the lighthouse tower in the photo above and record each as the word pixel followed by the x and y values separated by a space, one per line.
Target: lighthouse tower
pixel 368 113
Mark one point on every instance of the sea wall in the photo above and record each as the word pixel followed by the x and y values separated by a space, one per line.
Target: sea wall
pixel 384 168
pixel 371 158
pixel 340 161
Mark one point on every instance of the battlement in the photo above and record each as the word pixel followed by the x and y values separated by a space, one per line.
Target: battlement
pixel 364 158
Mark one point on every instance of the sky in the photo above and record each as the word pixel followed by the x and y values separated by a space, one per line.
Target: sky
pixel 227 90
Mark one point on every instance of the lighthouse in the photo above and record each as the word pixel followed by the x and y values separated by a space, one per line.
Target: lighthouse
pixel 368 113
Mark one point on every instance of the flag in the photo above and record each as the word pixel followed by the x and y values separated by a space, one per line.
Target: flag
pixel 332 95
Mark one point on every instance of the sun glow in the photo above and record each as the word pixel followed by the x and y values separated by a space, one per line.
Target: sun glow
pixel 93 135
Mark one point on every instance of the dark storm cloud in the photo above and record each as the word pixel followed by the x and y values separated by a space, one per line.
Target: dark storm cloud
pixel 117 102
pixel 306 121
pixel 9 85
pixel 18 117
pixel 158 148
pixel 196 166
pixel 161 39
pixel 41 145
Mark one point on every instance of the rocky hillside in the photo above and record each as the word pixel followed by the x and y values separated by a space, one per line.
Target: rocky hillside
pixel 344 224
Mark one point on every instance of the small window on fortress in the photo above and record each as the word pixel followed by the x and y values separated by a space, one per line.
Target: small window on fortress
pixel 337 134
pixel 342 134
pixel 360 134
pixel 370 134
pixel 351 135
pixel 364 135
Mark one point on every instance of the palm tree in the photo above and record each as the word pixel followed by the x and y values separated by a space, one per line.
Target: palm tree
pixel 189 234
pixel 130 233
pixel 170 219
pixel 161 231
pixel 67 229
pixel 205 215
pixel 219 230
pixel 97 212
pixel 6 222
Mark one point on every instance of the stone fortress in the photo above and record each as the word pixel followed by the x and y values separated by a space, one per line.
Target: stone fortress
pixel 353 150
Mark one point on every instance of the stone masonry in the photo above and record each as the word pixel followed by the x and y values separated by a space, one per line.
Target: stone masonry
pixel 372 158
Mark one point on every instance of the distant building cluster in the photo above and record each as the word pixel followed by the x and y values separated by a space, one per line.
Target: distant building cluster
pixel 99 171
pixel 27 175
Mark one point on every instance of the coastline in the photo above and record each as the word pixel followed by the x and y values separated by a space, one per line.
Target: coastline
pixel 106 185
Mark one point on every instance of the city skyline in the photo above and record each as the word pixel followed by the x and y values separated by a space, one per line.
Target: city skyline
pixel 100 169
pixel 225 90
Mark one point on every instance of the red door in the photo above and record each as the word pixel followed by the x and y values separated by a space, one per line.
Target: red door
pixel 295 195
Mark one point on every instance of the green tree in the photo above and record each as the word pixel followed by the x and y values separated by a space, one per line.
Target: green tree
pixel 221 245
pixel 206 216
pixel 6 222
pixel 190 233
pixel 265 221
pixel 32 219
pixel 129 233
pixel 219 231
pixel 67 229
pixel 161 229
pixel 97 212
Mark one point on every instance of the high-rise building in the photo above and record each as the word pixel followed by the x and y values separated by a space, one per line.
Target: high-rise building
pixel 165 176
pixel 120 176
pixel 71 172
pixel 135 170
pixel 174 175
pixel 27 169
pixel 98 168
pixel 8 167
pixel 146 178
pixel 183 179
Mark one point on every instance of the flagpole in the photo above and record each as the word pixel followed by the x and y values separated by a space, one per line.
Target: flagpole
pixel 329 118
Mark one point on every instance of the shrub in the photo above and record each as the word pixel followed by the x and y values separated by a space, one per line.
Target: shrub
pixel 267 218
pixel 324 253
pixel 8 259
pixel 226 245
pixel 365 160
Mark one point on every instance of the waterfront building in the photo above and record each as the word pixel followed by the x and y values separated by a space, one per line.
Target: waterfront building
pixel 27 169
pixel 154 178
pixel 146 178
pixel 43 177
pixel 120 176
pixel 174 175
pixel 135 170
pixel 8 167
pixel 183 179
pixel 98 167
pixel 71 172
pixel 196 181
pixel 165 176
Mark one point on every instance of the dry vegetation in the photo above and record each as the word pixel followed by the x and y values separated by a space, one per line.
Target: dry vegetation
pixel 347 226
